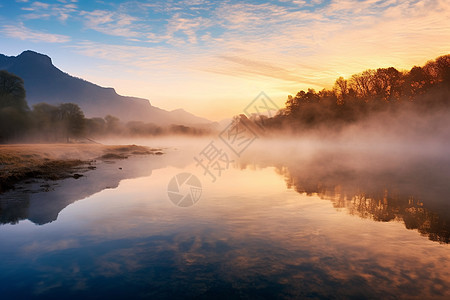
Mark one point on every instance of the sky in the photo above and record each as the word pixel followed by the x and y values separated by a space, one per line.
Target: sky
pixel 212 58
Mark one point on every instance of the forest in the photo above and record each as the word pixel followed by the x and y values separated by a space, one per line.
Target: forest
pixel 423 89
pixel 367 94
pixel 65 122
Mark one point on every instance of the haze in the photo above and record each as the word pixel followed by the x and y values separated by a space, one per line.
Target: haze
pixel 197 149
pixel 212 58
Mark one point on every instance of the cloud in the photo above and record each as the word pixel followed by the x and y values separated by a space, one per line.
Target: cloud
pixel 137 57
pixel 248 47
pixel 23 33
pixel 310 46
pixel 50 246
pixel 187 26
pixel 251 67
pixel 41 10
pixel 340 38
pixel 289 44
pixel 112 23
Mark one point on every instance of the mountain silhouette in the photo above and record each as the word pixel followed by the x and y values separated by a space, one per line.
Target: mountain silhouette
pixel 46 83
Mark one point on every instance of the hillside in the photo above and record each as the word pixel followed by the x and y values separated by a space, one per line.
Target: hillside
pixel 46 83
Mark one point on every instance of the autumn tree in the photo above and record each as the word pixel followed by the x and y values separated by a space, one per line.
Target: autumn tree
pixel 368 93
pixel 341 89
pixel 439 70
pixel 416 82
pixel 362 84
pixel 386 84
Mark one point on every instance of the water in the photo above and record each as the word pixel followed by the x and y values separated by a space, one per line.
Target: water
pixel 283 226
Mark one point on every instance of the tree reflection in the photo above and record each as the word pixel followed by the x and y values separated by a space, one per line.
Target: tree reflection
pixel 378 203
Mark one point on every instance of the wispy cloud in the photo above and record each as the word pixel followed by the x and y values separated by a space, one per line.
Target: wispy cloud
pixel 189 27
pixel 291 43
pixel 285 44
pixel 251 67
pixel 40 10
pixel 23 33
pixel 111 23
pixel 133 57
pixel 341 38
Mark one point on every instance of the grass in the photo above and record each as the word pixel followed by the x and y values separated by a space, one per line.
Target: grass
pixel 20 162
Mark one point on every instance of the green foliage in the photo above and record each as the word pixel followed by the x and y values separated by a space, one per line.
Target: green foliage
pixel 12 92
pixel 53 123
pixel 13 106
pixel 63 122
pixel 72 119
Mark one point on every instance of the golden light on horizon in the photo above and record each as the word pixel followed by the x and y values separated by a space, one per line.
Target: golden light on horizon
pixel 214 64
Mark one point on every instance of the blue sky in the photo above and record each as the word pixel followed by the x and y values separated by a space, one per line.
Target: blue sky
pixel 214 57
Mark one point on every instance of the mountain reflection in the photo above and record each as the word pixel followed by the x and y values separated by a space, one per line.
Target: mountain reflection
pixel 41 202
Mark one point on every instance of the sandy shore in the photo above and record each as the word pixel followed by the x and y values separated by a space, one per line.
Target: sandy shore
pixel 19 162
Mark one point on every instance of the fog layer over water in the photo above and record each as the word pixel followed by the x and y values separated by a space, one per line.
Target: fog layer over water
pixel 361 213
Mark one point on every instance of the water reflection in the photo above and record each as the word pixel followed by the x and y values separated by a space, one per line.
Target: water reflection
pixel 248 237
pixel 414 190
pixel 383 206
pixel 255 240
pixel 41 201
pixel 14 207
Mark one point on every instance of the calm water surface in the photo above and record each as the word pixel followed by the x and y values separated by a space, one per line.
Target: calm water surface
pixel 304 226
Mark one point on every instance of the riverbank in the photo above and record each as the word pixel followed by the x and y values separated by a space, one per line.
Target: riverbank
pixel 22 162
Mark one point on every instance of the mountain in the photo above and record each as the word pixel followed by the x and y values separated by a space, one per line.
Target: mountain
pixel 46 83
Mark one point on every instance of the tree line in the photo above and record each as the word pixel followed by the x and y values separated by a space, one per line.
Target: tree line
pixel 364 94
pixel 63 122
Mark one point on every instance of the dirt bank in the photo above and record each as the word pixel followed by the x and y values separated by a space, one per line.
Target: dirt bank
pixel 21 162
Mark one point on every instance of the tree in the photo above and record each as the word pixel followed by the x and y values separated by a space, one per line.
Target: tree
pixel 95 126
pixel 112 124
pixel 417 81
pixel 12 92
pixel 362 84
pixel 386 83
pixel 439 69
pixel 45 119
pixel 341 89
pixel 14 109
pixel 443 66
pixel 72 119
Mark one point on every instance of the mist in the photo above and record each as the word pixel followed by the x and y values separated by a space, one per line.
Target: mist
pixel 386 167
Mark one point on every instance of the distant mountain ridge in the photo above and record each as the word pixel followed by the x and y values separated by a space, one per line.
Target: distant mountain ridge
pixel 46 83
